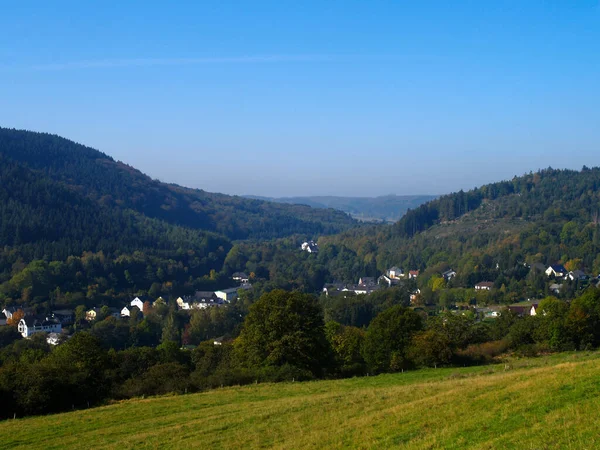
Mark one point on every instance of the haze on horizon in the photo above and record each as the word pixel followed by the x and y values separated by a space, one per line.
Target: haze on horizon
pixel 311 98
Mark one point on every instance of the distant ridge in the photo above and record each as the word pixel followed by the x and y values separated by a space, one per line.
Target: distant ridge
pixel 385 208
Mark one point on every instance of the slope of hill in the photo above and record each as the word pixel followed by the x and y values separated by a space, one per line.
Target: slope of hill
pixel 77 226
pixel 548 402
pixel 386 208
pixel 547 216
pixel 114 184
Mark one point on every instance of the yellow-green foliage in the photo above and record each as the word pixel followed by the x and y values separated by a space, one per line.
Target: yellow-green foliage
pixel 550 402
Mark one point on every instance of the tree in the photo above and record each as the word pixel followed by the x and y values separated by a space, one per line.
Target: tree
pixel 388 337
pixel 80 314
pixel 170 330
pixel 8 335
pixel 284 328
pixel 583 320
pixel 80 364
pixel 430 348
pixel 346 343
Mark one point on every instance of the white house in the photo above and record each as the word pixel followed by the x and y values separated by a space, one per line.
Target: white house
pixel 310 247
pixel 240 277
pixel 556 270
pixel 577 275
pixel 30 325
pixel 528 310
pixel 448 274
pixel 184 304
pixel 413 274
pixel 395 273
pixel 362 289
pixel 205 300
pixel 207 303
pixel 126 311
pixel 9 311
pixel 387 280
pixel 53 338
pixel 484 286
pixel 137 302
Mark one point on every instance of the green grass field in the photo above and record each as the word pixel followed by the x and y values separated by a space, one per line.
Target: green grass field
pixel 548 402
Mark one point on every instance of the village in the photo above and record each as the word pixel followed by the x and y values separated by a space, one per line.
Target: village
pixel 556 274
pixel 53 324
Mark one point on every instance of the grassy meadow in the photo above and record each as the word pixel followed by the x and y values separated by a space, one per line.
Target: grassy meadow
pixel 538 403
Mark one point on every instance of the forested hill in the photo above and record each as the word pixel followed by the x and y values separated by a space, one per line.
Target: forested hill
pixel 566 193
pixel 112 184
pixel 549 216
pixel 78 227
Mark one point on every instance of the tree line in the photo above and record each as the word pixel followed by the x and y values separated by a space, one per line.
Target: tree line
pixel 284 337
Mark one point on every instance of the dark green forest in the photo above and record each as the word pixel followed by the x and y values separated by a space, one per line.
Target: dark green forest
pixel 77 226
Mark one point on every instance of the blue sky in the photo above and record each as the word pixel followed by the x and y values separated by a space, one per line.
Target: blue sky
pixel 304 98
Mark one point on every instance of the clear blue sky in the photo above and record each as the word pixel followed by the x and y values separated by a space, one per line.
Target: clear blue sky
pixel 300 97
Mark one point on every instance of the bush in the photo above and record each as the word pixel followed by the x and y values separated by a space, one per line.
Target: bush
pixel 483 353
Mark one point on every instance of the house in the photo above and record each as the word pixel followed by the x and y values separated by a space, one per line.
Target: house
pixel 30 325
pixel 207 303
pixel 577 275
pixel 484 286
pixel 245 286
pixel 137 302
pixel 219 340
pixel 184 303
pixel 310 247
pixel 126 311
pixel 448 274
pixel 53 338
pixel 387 280
pixel 159 301
pixel 64 316
pixel 9 311
pixel 333 288
pixel 538 267
pixel 395 273
pixel 240 277
pixel 205 299
pixel 556 270
pixel 413 295
pixel 413 274
pixel 367 281
pixel 227 294
pixel 361 289
pixel 524 310
pixel 488 312
pixel 93 313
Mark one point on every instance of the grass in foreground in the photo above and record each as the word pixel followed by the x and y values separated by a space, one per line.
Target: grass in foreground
pixel 549 402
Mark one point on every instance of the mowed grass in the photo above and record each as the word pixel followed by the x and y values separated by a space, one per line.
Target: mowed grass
pixel 549 402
